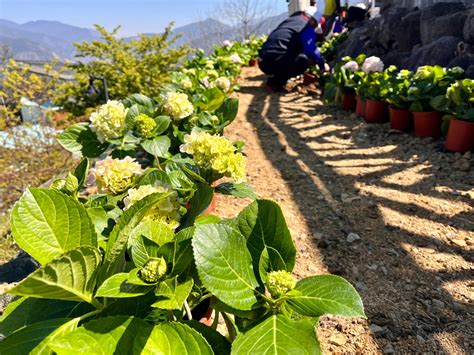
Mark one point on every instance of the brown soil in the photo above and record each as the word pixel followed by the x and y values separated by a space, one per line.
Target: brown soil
pixel 410 203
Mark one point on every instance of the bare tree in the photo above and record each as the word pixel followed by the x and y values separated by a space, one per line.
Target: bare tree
pixel 246 16
pixel 5 54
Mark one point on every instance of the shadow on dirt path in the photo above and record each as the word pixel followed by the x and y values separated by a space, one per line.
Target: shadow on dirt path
pixel 388 212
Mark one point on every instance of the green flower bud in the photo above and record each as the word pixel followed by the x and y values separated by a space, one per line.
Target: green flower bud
pixel 280 282
pixel 145 125
pixel 154 270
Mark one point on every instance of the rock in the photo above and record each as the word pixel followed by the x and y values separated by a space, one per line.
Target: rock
pixel 470 72
pixel 437 303
pixel 396 58
pixel 338 339
pixel 353 237
pixel 389 349
pixel 464 62
pixel 376 328
pixel 442 14
pixel 467 156
pixel 353 45
pixel 462 165
pixel 410 37
pixel 468 30
pixel 390 24
pixel 18 268
pixel 460 242
pixel 345 198
pixel 371 204
pixel 420 339
pixel 440 52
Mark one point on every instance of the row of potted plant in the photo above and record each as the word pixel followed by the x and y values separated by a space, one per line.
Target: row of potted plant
pixel 431 100
pixel 132 263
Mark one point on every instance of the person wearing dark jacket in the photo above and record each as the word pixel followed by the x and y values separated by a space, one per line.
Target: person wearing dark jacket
pixel 291 48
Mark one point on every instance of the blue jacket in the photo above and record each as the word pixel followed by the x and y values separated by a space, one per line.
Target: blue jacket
pixel 292 37
pixel 309 39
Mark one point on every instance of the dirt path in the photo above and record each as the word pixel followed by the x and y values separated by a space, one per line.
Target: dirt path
pixel 391 213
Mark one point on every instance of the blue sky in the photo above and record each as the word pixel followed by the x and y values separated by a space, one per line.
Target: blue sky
pixel 135 16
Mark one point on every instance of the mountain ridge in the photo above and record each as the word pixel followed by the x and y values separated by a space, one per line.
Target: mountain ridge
pixel 43 40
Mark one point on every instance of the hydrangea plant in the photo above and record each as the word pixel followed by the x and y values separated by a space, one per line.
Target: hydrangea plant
pixel 429 84
pixel 137 285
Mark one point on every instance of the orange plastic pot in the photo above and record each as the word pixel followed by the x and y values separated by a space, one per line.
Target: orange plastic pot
pixel 207 319
pixel 309 78
pixel 376 111
pixel 253 62
pixel 401 120
pixel 212 206
pixel 460 136
pixel 427 124
pixel 349 102
pixel 360 107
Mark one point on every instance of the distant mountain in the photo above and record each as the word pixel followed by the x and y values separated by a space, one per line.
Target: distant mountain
pixel 45 40
pixel 42 40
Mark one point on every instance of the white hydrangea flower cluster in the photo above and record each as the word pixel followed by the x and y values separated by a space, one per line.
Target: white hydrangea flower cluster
pixel 177 105
pixel 227 43
pixel 186 84
pixel 166 211
pixel 223 83
pixel 235 59
pixel 352 66
pixel 109 121
pixel 115 176
pixel 372 64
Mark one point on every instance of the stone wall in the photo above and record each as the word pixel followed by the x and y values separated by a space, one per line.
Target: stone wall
pixel 419 3
pixel 441 34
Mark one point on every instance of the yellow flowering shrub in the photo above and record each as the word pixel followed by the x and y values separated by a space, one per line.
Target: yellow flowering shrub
pixel 145 125
pixel 115 176
pixel 215 153
pixel 177 105
pixel 109 121
pixel 166 211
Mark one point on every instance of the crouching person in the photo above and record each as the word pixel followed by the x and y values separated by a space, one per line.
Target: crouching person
pixel 291 48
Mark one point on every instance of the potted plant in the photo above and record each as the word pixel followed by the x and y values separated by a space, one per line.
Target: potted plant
pixel 350 77
pixel 375 89
pixel 311 76
pixel 459 105
pixel 400 117
pixel 429 83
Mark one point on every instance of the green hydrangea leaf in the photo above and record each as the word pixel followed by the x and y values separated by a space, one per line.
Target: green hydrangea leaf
pixel 80 140
pixel 264 226
pixel 172 294
pixel 128 335
pixel 118 238
pixel 326 294
pixel 25 311
pixel 46 224
pixel 242 190
pixel 225 265
pixel 158 146
pixel 32 339
pixel 71 277
pixel 278 335
pixel 117 286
